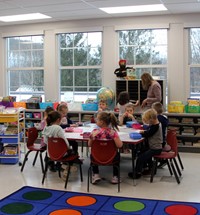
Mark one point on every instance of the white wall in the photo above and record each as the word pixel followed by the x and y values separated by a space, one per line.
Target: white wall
pixel 177 65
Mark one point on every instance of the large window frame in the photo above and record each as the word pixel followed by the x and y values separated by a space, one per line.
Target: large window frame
pixel 133 44
pixel 79 65
pixel 25 66
pixel 194 61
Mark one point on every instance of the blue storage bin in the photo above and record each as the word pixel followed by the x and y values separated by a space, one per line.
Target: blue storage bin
pixel 9 159
pixel 90 107
pixel 29 115
pixel 44 105
pixel 130 123
pixel 29 124
pixel 135 135
pixel 11 138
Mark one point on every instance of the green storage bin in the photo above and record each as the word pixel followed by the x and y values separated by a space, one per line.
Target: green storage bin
pixel 192 109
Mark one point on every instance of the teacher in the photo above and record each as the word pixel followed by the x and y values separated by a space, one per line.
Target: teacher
pixel 153 90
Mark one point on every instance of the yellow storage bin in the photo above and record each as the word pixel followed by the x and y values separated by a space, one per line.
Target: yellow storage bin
pixel 176 103
pixel 176 108
pixel 8 117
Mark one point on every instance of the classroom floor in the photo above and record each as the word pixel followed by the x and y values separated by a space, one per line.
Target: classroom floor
pixel 164 186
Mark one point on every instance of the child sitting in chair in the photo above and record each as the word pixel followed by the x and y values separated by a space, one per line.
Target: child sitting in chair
pixel 154 136
pixel 104 121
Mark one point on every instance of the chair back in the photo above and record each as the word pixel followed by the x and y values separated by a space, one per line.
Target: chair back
pixel 57 148
pixel 103 151
pixel 32 136
pixel 172 140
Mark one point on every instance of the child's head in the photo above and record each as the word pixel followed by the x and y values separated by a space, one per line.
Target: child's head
pixel 62 109
pixel 129 108
pixel 123 98
pixel 47 111
pixel 104 119
pixel 149 116
pixel 54 117
pixel 103 105
pixel 157 106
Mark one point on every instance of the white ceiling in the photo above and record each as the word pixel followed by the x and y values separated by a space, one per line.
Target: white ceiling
pixel 61 10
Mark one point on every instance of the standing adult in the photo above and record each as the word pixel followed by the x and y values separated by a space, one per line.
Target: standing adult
pixel 153 90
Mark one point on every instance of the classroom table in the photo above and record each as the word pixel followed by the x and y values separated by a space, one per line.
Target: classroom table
pixel 77 134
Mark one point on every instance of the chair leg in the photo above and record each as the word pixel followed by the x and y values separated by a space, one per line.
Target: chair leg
pixel 67 176
pixel 45 169
pixel 177 167
pixel 25 159
pixel 89 178
pixel 36 155
pixel 169 167
pixel 153 170
pixel 174 171
pixel 81 173
pixel 180 161
pixel 41 161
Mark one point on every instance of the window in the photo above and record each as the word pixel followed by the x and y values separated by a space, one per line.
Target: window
pixel 25 61
pixel 194 62
pixel 80 58
pixel 145 50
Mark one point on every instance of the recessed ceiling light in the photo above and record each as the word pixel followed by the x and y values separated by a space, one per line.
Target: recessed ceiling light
pixel 134 9
pixel 23 17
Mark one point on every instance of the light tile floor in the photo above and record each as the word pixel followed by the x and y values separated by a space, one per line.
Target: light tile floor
pixel 164 186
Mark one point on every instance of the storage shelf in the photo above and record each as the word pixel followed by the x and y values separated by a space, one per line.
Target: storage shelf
pixel 12 139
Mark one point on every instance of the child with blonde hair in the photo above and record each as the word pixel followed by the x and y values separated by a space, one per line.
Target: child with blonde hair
pixel 107 123
pixel 154 136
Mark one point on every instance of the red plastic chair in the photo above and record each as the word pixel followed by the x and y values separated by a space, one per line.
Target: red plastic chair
pixel 57 150
pixel 170 139
pixel 170 157
pixel 33 147
pixel 103 153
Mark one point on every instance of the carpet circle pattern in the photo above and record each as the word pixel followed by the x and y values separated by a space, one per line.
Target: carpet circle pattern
pixel 65 211
pixel 180 210
pixel 81 201
pixel 17 208
pixel 37 195
pixel 129 206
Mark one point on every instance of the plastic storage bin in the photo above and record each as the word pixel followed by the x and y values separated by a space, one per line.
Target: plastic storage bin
pixel 19 104
pixel 32 105
pixel 176 108
pixel 129 124
pixel 29 124
pixel 44 105
pixel 192 109
pixel 37 115
pixel 11 138
pixel 8 117
pixel 29 115
pixel 90 107
pixel 135 135
pixel 8 159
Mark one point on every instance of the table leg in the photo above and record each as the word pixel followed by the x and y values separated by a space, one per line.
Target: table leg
pixel 133 150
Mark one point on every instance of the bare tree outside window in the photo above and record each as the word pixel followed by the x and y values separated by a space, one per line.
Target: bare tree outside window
pixel 25 61
pixel 80 65
pixel 145 50
pixel 194 62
